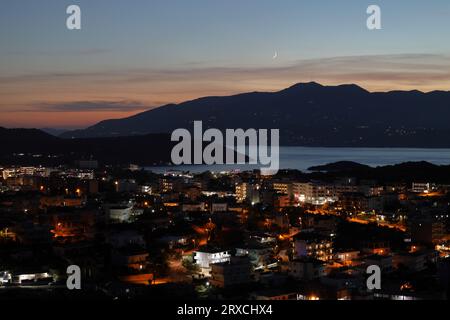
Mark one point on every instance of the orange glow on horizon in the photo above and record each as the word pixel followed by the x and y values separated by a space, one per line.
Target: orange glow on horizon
pixel 21 104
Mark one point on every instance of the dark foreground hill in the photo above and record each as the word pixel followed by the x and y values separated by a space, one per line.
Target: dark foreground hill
pixel 32 146
pixel 407 172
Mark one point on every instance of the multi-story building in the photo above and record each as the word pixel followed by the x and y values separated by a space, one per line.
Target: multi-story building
pixel 282 201
pixel 247 192
pixel 170 184
pixel 306 269
pixel 347 257
pixel 135 258
pixel 285 188
pixel 259 254
pixel 119 214
pixel 337 190
pixel 316 193
pixel 237 271
pixel 421 187
pixel 25 171
pixel 206 256
pixel 310 244
pixel 415 261
pixel 193 207
pixel 426 230
pixel 219 207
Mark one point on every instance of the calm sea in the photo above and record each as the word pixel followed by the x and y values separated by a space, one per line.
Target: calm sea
pixel 302 158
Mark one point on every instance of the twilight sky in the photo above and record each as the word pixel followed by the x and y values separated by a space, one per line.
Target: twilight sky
pixel 132 55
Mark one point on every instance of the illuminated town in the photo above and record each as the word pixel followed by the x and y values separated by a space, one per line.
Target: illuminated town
pixel 221 235
pixel 224 158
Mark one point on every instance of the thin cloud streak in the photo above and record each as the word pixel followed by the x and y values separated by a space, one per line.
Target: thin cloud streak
pixel 428 67
pixel 88 106
pixel 81 52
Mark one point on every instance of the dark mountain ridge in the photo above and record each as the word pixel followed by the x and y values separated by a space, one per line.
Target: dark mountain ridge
pixel 307 114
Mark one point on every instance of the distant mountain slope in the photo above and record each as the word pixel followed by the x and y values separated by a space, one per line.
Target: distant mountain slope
pixel 339 166
pixel 307 114
pixel 407 172
pixel 54 131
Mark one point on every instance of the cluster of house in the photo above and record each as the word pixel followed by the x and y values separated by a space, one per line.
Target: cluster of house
pixel 312 269
pixel 128 226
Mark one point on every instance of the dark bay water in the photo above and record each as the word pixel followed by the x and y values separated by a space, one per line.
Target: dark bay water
pixel 302 158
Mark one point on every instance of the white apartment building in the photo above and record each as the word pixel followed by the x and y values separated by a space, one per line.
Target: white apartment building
pixel 205 257
pixel 313 193
pixel 420 187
